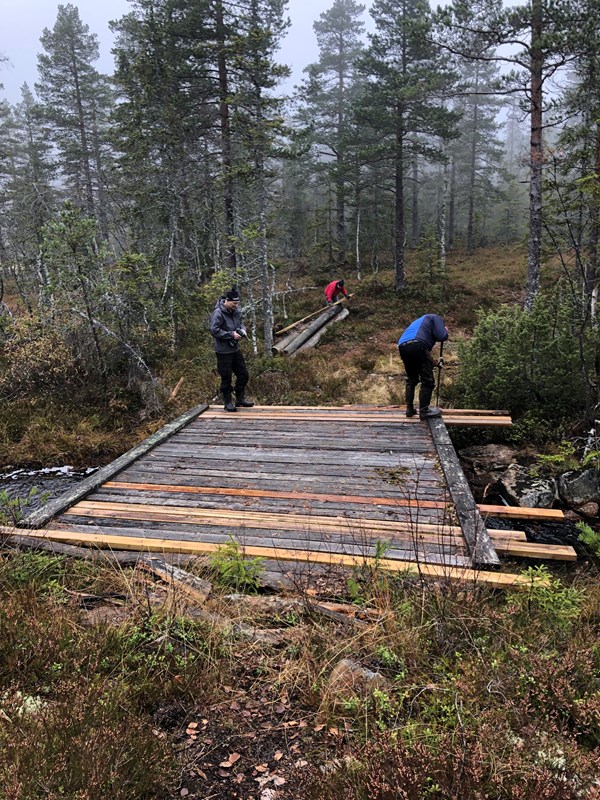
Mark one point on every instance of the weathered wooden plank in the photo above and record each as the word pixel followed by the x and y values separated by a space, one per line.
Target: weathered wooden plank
pixel 87 485
pixel 263 481
pixel 306 442
pixel 497 579
pixel 479 543
pixel 233 454
pixel 389 474
pixel 277 495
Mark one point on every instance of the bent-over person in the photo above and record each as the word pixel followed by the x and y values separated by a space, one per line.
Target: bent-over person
pixel 415 346
pixel 227 329
pixel 334 291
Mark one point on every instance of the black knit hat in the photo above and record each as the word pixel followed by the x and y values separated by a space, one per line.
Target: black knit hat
pixel 232 294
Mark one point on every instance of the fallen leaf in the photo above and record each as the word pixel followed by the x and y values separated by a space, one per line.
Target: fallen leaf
pixel 278 755
pixel 184 792
pixel 261 767
pixel 279 708
pixel 334 731
pixel 318 728
pixel 202 774
pixel 231 759
pixel 193 725
pixel 300 763
pixel 278 780
pixel 223 773
pixel 234 705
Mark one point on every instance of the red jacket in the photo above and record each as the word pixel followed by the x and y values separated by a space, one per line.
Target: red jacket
pixel 332 290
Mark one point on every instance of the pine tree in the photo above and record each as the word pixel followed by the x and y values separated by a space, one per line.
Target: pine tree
pixel 406 78
pixel 328 92
pixel 75 103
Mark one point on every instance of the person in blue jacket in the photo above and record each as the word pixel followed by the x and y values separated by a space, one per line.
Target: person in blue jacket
pixel 415 346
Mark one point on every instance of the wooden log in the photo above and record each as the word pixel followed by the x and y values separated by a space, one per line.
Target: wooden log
pixel 87 485
pixel 478 541
pixel 311 315
pixel 494 579
pixel 312 329
pixel 314 339
pixel 196 588
pixel 279 347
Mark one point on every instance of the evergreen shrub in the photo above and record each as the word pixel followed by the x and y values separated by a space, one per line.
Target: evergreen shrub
pixel 528 361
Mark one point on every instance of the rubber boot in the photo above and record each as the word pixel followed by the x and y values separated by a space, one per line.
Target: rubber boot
pixel 241 401
pixel 410 401
pixel 229 405
pixel 429 412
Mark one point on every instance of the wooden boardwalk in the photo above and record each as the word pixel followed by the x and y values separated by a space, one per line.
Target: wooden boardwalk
pixel 355 481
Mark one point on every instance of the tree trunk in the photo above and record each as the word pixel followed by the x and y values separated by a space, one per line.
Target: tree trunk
pixel 537 158
pixel 400 277
pixel 414 233
pixel 225 131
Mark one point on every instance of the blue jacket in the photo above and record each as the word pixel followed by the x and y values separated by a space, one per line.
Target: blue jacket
pixel 428 329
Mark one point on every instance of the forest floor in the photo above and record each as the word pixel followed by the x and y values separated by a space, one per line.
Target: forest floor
pixel 113 686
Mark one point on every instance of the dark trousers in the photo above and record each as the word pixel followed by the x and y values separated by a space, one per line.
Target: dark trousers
pixel 418 364
pixel 229 364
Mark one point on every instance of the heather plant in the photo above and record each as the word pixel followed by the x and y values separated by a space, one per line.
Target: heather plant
pixel 548 598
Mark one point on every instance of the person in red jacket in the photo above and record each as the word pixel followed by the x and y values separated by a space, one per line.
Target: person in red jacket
pixel 335 291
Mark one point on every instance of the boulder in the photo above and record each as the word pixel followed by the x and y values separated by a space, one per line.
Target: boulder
pixel 521 489
pixel 578 487
pixel 488 457
pixel 589 509
pixel 484 464
pixel 350 680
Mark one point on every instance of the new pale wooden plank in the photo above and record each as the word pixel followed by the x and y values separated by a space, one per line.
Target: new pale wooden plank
pixel 535 550
pixel 251 518
pixel 521 512
pixel 496 579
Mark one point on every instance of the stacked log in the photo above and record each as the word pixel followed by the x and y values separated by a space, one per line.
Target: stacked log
pixel 311 333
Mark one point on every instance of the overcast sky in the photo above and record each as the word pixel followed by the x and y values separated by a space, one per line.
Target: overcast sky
pixel 24 20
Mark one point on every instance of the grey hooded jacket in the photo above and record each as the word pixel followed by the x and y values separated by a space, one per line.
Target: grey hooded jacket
pixel 222 325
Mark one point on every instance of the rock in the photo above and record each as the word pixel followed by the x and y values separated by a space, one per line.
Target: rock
pixel 488 457
pixel 578 487
pixel 572 516
pixel 589 509
pixel 483 466
pixel 519 488
pixel 349 680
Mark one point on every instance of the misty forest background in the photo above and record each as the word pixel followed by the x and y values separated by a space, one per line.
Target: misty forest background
pixel 129 202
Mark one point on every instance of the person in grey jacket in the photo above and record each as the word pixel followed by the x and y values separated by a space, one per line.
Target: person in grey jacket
pixel 227 329
pixel 415 346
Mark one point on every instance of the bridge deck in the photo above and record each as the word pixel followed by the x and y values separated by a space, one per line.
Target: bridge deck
pixel 352 480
